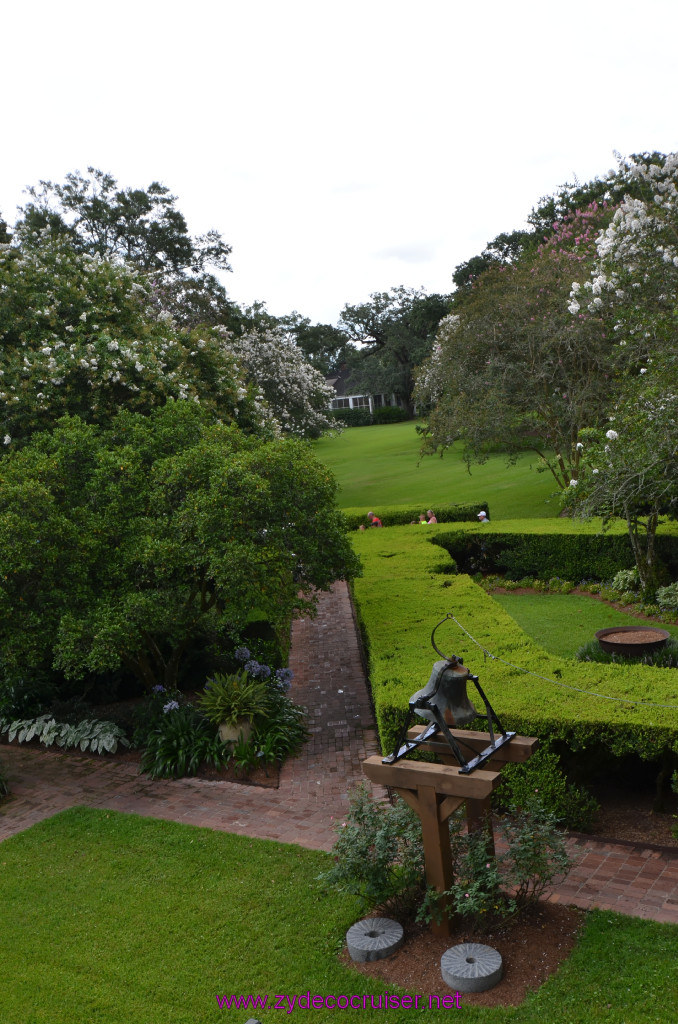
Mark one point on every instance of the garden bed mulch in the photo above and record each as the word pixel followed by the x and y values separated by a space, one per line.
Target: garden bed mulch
pixel 532 949
pixel 267 777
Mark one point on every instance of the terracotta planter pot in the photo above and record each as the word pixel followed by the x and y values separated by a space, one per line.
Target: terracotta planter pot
pixel 232 733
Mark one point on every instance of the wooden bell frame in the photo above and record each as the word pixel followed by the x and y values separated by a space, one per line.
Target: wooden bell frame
pixel 435 791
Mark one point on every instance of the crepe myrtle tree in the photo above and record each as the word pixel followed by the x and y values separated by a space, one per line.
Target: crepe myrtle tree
pixel 512 367
pixel 634 280
pixel 80 337
pixel 296 394
pixel 630 467
pixel 122 547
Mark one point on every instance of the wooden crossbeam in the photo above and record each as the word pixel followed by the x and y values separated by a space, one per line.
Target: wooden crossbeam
pixel 446 779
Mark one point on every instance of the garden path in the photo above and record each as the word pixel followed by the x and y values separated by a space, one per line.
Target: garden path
pixel 313 793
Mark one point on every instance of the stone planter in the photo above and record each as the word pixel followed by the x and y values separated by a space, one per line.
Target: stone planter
pixel 232 733
pixel 630 641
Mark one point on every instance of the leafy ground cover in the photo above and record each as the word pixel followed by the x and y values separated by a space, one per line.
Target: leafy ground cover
pixel 154 919
pixel 381 465
pixel 560 623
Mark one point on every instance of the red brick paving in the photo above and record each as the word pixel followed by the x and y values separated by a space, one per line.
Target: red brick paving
pixel 329 680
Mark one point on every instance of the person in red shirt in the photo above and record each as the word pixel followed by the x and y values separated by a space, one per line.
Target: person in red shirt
pixel 374 520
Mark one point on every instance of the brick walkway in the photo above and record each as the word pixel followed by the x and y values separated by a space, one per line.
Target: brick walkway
pixel 329 680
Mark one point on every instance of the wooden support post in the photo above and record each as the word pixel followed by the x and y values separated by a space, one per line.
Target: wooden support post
pixel 435 791
pixel 437 851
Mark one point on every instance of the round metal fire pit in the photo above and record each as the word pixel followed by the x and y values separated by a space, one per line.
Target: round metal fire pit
pixel 631 640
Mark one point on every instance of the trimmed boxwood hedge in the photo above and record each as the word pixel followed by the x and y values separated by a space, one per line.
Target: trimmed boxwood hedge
pixel 545 548
pixel 404 592
pixel 404 515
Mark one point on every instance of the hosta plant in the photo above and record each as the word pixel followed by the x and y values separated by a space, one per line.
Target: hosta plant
pixel 89 734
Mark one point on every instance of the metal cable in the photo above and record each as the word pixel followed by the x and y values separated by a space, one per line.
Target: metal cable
pixel 556 682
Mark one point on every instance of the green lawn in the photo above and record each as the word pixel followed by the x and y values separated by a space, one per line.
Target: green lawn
pixel 380 466
pixel 120 919
pixel 561 623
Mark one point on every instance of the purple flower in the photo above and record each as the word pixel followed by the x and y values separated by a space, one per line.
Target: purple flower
pixel 158 689
pixel 171 705
pixel 242 654
pixel 284 677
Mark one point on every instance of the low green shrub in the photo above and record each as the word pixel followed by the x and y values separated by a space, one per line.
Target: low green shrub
pixel 626 579
pixel 89 735
pixel 390 414
pixel 180 742
pixel 667 598
pixel 665 657
pixel 489 889
pixel 406 515
pixel 282 733
pixel 379 857
pixel 352 417
pixel 542 779
pixel 378 853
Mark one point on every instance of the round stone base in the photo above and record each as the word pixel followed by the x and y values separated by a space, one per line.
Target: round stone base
pixel 471 967
pixel 374 938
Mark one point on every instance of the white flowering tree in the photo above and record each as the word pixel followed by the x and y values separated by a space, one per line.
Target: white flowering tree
pixel 634 280
pixel 79 337
pixel 512 367
pixel 296 394
pixel 630 467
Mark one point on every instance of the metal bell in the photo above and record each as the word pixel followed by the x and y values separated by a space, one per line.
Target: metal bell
pixel 446 691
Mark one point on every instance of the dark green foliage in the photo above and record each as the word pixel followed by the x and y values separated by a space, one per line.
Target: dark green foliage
pixel 664 657
pixel 352 417
pixel 390 414
pixel 180 742
pixel 283 732
pixel 569 556
pixel 139 226
pixel 402 515
pixel 123 547
pixel 230 698
pixel 245 756
pixel 25 693
pixel 4 784
pixel 395 331
pixel 379 855
pixel 542 780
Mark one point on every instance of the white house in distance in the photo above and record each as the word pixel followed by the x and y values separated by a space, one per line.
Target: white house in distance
pixel 344 400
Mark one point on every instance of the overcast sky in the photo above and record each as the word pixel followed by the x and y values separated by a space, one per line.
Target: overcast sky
pixel 340 148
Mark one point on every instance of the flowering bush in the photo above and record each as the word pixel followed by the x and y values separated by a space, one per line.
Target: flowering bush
pixel 79 337
pixel 511 366
pixel 295 393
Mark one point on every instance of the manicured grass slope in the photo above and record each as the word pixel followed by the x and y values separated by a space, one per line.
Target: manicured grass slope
pixel 381 466
pixel 403 594
pixel 561 623
pixel 119 919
